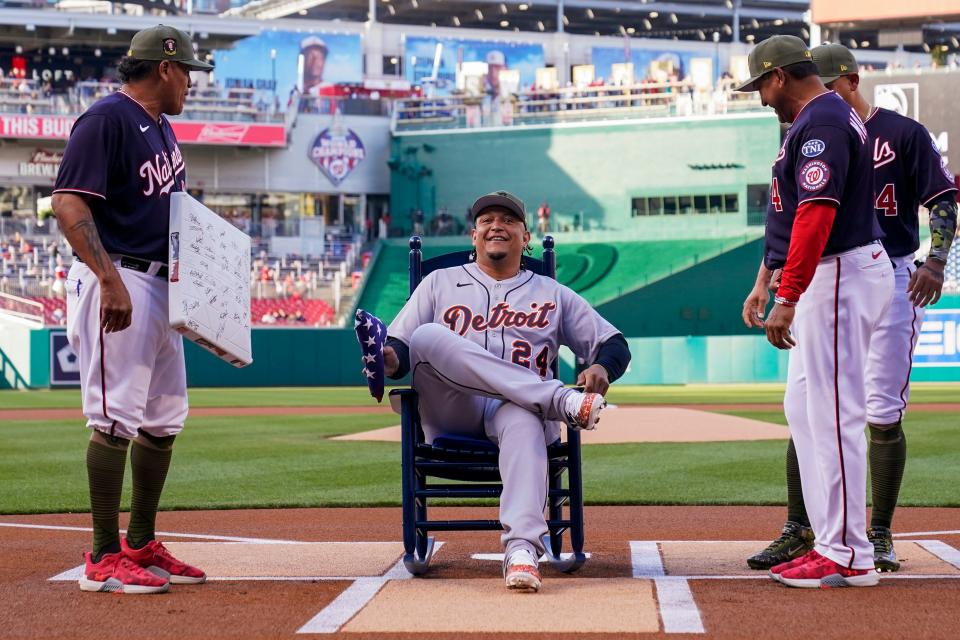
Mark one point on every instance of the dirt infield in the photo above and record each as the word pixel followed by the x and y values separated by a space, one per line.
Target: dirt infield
pixel 672 561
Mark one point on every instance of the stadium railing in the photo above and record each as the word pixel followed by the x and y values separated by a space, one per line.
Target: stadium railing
pixel 648 99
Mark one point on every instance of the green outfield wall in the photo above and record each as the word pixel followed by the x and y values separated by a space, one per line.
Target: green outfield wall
pixel 321 357
pixel 593 170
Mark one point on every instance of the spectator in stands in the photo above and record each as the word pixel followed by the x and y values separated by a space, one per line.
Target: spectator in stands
pixel 58 317
pixel 417 217
pixel 543 218
pixel 268 318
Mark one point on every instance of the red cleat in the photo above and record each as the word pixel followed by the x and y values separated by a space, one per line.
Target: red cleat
pixel 809 556
pixel 155 558
pixel 116 573
pixel 824 573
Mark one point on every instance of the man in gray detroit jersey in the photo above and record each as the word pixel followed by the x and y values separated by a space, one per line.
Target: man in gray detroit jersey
pixel 480 340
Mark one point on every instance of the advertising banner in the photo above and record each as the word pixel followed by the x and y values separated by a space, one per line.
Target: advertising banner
pixel 420 54
pixel 275 62
pixel 939 343
pixel 928 97
pixel 603 59
pixel 64 364
pixel 251 134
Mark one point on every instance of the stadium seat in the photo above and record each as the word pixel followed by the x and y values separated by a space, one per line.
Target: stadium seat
pixel 472 463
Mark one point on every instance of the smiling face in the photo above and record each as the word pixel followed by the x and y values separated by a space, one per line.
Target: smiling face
pixel 499 238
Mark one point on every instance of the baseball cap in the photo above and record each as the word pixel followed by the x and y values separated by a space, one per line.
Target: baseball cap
pixel 775 51
pixel 165 43
pixel 833 61
pixel 313 41
pixel 496 57
pixel 502 199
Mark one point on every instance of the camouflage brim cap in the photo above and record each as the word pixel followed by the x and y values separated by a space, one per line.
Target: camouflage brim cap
pixel 833 61
pixel 775 51
pixel 165 43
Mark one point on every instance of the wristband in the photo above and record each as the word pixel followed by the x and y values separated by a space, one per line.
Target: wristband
pixel 783 301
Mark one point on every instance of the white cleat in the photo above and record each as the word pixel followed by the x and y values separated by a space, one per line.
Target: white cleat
pixel 582 410
pixel 520 572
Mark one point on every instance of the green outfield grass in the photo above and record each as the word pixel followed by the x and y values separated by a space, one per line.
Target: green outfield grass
pixel 237 462
pixel 358 396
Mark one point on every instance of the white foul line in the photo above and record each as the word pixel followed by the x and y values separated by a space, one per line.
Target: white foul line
pixel 955 532
pixel 678 611
pixel 165 534
pixel 942 550
pixel 645 559
pixel 354 598
pixel 344 606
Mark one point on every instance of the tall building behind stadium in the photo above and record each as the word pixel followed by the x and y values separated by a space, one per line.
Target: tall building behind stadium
pixel 331 131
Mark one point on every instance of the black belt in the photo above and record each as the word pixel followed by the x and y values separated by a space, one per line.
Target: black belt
pixel 143 266
pixel 135 264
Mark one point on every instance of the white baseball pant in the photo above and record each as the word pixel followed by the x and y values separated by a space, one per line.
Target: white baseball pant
pixel 825 400
pixel 891 351
pixel 131 379
pixel 466 390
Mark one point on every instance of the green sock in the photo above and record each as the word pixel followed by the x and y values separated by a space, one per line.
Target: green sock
pixel 888 456
pixel 105 466
pixel 796 510
pixel 150 460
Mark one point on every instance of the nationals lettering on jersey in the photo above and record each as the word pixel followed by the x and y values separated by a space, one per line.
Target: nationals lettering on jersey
pixel 825 156
pixel 130 164
pixel 524 319
pixel 908 172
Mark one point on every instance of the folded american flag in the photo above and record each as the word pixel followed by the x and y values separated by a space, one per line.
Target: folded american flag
pixel 371 334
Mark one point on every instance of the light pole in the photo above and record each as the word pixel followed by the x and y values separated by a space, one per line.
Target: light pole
pixel 273 72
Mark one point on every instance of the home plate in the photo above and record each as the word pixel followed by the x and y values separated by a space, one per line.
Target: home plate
pixel 620 425
pixel 612 605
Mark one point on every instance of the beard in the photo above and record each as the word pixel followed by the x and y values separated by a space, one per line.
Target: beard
pixel 497 256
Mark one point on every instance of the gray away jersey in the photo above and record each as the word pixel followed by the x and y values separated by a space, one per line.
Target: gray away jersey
pixel 523 320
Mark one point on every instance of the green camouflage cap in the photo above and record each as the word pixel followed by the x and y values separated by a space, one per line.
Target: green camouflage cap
pixel 775 51
pixel 165 43
pixel 502 200
pixel 833 61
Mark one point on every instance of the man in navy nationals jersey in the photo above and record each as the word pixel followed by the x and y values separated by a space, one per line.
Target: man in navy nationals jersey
pixel 836 284
pixel 908 173
pixel 112 200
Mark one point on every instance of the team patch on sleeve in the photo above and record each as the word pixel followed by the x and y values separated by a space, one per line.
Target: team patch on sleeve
pixel 813 148
pixel 814 175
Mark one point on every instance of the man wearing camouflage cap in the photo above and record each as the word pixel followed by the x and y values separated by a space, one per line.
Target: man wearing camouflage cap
pixel 836 284
pixel 908 172
pixel 112 200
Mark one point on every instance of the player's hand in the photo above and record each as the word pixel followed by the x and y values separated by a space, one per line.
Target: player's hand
pixel 390 361
pixel 778 326
pixel 594 379
pixel 116 310
pixel 775 280
pixel 926 283
pixel 755 306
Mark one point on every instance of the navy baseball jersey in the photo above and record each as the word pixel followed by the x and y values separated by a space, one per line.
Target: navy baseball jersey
pixel 908 172
pixel 129 163
pixel 825 156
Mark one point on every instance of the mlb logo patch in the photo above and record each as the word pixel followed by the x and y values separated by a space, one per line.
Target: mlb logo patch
pixel 170 46
pixel 814 175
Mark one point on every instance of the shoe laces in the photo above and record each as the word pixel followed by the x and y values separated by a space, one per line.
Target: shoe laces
pixel 787 534
pixel 132 567
pixel 881 542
